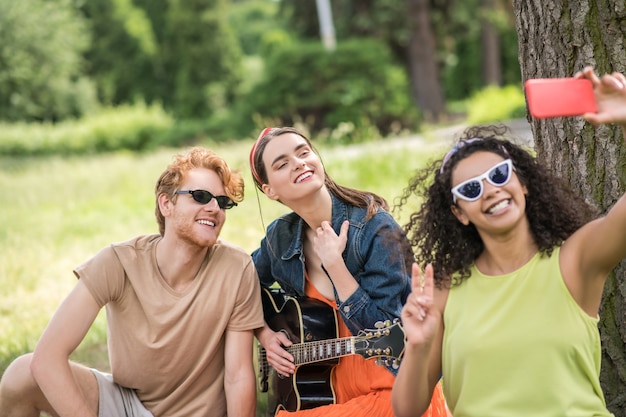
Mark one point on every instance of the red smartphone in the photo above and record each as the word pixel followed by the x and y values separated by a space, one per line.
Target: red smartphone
pixel 559 97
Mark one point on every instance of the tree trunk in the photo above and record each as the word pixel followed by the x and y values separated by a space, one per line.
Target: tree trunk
pixel 557 39
pixel 424 71
pixel 490 46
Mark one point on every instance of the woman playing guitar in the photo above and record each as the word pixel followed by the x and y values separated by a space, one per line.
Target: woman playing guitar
pixel 341 247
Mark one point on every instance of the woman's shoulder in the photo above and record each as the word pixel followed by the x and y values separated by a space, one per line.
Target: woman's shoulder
pixel 284 226
pixel 287 220
pixel 381 219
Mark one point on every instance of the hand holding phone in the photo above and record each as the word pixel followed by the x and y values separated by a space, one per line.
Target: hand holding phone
pixel 559 97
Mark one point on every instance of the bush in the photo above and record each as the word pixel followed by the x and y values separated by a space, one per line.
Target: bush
pixel 357 84
pixel 494 104
pixel 185 132
pixel 137 128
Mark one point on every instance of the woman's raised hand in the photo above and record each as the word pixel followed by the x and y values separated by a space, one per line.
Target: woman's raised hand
pixel 420 317
pixel 328 245
pixel 610 94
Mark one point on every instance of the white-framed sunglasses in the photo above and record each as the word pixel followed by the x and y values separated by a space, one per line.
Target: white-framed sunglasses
pixel 472 189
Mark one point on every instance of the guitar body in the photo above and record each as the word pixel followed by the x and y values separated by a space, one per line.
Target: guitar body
pixel 312 326
pixel 302 320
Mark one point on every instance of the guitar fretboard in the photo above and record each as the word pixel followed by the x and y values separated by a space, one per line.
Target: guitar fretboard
pixel 386 344
pixel 321 350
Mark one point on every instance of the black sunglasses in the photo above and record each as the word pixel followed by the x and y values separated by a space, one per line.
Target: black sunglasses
pixel 203 197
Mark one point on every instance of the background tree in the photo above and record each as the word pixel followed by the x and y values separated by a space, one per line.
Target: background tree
pixel 449 49
pixel 490 44
pixel 556 39
pixel 123 54
pixel 252 20
pixel 41 45
pixel 182 53
pixel 406 28
pixel 202 57
pixel 477 45
pixel 422 62
pixel 190 56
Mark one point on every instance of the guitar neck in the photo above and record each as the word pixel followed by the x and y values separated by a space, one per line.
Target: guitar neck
pixel 321 350
pixel 385 343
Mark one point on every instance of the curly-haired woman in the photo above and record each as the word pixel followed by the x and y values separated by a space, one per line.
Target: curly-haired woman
pixel 506 309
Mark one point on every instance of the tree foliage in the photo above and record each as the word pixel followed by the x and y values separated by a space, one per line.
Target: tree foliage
pixel 181 53
pixel 123 54
pixel 457 29
pixel 188 55
pixel 357 83
pixel 252 20
pixel 41 65
pixel 202 55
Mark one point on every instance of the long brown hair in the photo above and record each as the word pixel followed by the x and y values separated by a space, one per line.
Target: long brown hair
pixel 361 199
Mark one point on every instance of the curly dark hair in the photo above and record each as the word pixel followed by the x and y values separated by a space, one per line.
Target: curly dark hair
pixel 554 211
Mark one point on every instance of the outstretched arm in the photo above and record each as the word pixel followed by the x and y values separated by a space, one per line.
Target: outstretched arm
pixel 421 364
pixel 592 252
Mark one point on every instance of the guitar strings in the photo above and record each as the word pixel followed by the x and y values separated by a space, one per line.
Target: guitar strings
pixel 321 349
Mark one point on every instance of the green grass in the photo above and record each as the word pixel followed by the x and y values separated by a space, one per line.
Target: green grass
pixel 55 213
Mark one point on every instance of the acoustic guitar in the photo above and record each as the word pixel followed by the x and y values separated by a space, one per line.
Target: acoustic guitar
pixel 312 327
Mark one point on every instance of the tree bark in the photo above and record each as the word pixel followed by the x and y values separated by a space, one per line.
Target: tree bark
pixel 424 71
pixel 556 39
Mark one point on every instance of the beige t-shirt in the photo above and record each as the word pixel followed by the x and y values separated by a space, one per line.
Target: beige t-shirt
pixel 169 346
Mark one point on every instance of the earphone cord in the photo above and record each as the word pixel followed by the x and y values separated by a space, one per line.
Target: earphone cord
pixel 258 201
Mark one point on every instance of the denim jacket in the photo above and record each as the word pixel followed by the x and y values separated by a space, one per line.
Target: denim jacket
pixel 376 256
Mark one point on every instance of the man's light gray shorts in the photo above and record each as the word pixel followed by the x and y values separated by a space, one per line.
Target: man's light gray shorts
pixel 116 400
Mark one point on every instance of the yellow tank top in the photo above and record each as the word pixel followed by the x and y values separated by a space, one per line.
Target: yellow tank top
pixel 519 345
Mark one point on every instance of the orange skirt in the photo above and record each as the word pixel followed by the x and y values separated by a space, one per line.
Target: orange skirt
pixel 375 404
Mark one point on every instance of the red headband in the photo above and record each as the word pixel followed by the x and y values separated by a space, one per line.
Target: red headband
pixel 253 154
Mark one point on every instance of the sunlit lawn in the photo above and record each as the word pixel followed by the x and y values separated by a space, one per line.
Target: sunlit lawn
pixel 56 212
